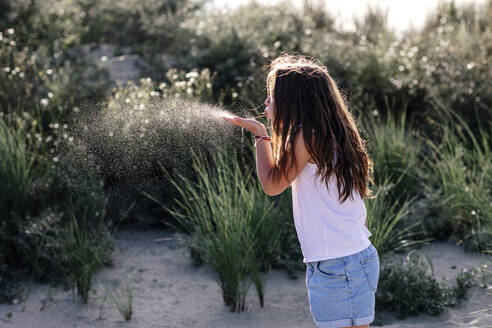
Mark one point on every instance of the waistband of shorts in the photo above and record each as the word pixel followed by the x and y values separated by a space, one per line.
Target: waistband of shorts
pixel 360 254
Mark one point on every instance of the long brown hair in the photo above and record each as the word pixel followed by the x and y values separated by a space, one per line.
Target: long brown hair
pixel 305 95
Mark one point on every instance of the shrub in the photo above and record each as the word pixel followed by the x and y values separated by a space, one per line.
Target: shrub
pixel 237 44
pixel 41 88
pixel 33 224
pixel 406 288
pixel 188 85
pixel 9 285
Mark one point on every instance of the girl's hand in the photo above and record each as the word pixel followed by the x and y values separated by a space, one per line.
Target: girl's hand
pixel 268 109
pixel 251 125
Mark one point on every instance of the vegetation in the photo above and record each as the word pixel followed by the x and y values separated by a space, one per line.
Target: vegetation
pixel 123 299
pixel 84 254
pixel 458 175
pixel 229 219
pixel 408 288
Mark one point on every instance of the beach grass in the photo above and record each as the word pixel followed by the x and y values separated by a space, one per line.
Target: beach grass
pixel 229 221
pixel 385 215
pixel 458 175
pixel 16 170
pixel 123 299
pixel 394 147
pixel 84 252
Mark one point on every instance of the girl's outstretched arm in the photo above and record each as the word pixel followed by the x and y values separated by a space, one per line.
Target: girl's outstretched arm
pixel 264 157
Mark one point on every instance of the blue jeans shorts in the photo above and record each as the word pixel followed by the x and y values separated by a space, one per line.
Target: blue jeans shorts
pixel 341 290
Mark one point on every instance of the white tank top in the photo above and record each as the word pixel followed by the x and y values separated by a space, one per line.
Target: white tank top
pixel 325 228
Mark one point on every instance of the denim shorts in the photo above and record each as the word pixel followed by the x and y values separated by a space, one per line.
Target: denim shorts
pixel 341 290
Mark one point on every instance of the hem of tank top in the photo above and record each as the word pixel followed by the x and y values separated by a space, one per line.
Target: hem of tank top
pixel 324 258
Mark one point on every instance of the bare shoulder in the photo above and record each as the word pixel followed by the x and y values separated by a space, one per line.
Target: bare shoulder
pixel 300 150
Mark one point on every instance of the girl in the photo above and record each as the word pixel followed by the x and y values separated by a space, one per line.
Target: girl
pixel 318 151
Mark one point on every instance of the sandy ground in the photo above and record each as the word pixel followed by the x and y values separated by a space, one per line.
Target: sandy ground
pixel 169 292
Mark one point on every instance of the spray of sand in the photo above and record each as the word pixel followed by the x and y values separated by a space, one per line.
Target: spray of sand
pixel 131 141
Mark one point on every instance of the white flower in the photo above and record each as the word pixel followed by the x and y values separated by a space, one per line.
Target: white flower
pixel 55 159
pixel 127 100
pixel 50 94
pixel 10 31
pixel 44 102
pixel 162 85
pixel 6 69
pixel 191 74
pixel 375 112
pixel 234 95
pixel 141 107
pixel 104 59
pixel 473 212
pixel 209 85
pixel 49 71
pixel 189 91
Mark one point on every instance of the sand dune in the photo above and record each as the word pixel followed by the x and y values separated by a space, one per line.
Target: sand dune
pixel 170 292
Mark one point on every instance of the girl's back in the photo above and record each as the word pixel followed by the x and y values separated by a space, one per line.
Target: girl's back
pixel 325 227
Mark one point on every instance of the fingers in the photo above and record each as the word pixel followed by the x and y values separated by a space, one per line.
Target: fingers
pixel 234 120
